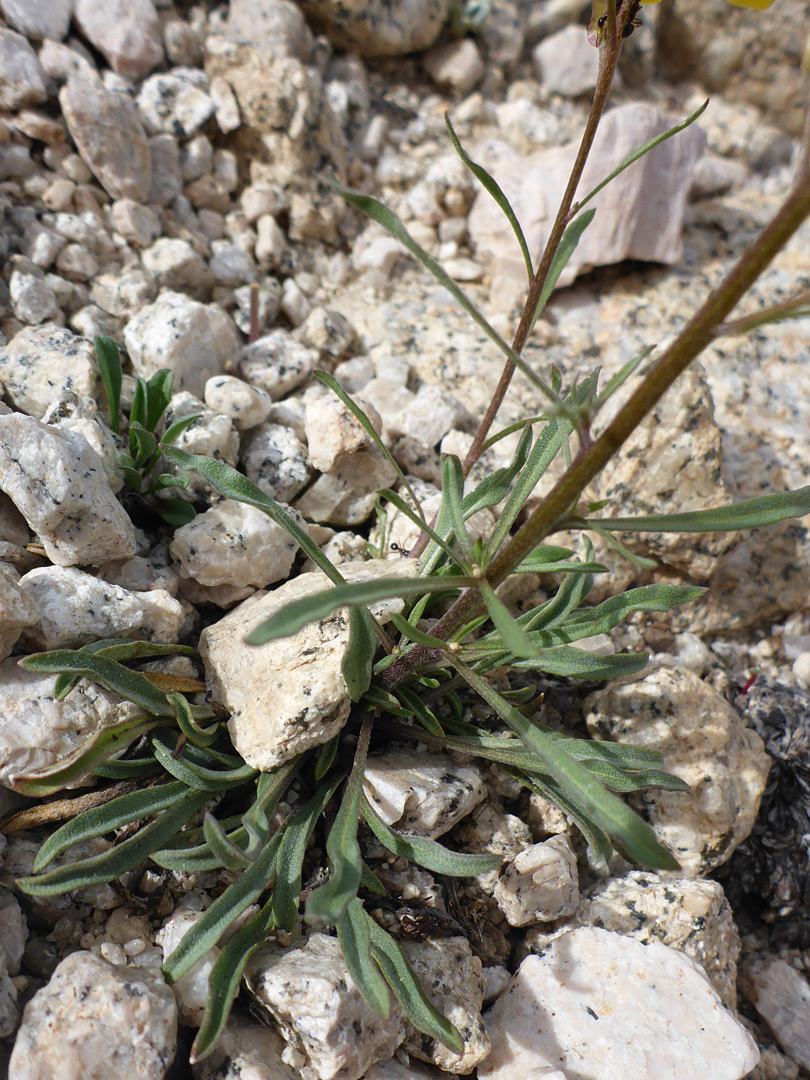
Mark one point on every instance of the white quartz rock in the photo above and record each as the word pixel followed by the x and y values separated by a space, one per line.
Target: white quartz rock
pixel 72 413
pixel 276 363
pixel 247 1051
pixel 37 730
pixel 210 434
pixel 391 400
pixel 276 460
pixel 41 362
pixel 705 743
pixel 540 884
pixel 333 431
pixel 17 609
pixel 242 403
pixel 493 831
pixel 595 997
pixel 176 264
pixel 781 996
pixel 431 414
pixel 425 794
pixel 233 544
pixel 191 990
pixel 319 1010
pixel 566 63
pixel 451 976
pixel 123 292
pixel 287 695
pixel 58 483
pixel 13 932
pixel 687 914
pixel 346 495
pixel 175 102
pixel 194 340
pixel 93 1013
pixel 77 608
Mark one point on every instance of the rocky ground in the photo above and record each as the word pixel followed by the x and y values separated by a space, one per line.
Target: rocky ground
pixel 159 162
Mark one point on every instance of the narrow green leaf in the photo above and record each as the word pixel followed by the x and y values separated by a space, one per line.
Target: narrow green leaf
pixel 108 361
pixel 452 495
pixel 568 245
pixel 355 944
pixel 82 760
pixel 512 634
pixel 642 150
pixel 428 853
pixel 320 605
pixel 489 185
pixel 412 633
pixel 399 976
pixel 169 480
pixel 99 869
pixel 495 487
pixel 233 485
pixel 224 911
pixel 269 790
pixel 290 857
pixel 158 396
pixel 749 514
pixel 326 756
pixel 199 778
pixel 130 685
pixel 327 903
pixel 184 715
pixel 358 659
pixel 137 410
pixel 229 854
pixel 417 708
pixel 391 223
pixel 100 820
pixel 175 512
pixel 226 975
pixel 631 835
pixel 569 662
pixel 621 377
pixel 173 431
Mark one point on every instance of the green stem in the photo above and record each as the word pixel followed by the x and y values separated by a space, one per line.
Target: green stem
pixel 692 340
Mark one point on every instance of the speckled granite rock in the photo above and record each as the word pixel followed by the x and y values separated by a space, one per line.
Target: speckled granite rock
pixel 246 405
pixel 345 496
pixel 287 695
pixel 382 27
pixel 451 976
pixel 190 990
pixel 41 362
pixel 246 1051
pixel 333 431
pixel 781 996
pixel 58 483
pixel 94 1018
pixel 704 742
pixel 310 994
pixel 127 32
pixel 233 544
pixel 690 915
pixel 211 434
pixel 18 610
pixel 77 608
pixel 194 340
pixel 109 135
pixel 539 884
pixel 276 460
pixel 276 363
pixel 37 730
pixel 426 796
pixel 647 1009
pixel 276 26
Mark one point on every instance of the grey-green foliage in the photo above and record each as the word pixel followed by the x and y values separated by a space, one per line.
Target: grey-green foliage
pixel 178 758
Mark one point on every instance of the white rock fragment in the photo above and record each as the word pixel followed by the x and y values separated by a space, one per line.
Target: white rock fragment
pixel 175 102
pixel 276 363
pixel 286 695
pixel 686 914
pixel 425 794
pixel 139 225
pixel 597 997
pixel 72 413
pixel 40 362
pixel 566 63
pixel 333 431
pixel 540 884
pixel 175 264
pixel 233 544
pixel 32 300
pixel 630 224
pixel 37 731
pixel 127 32
pixel 705 743
pixel 38 19
pixel 431 414
pixel 18 610
pixel 455 65
pixel 22 79
pixel 451 976
pixel 194 340
pixel 77 608
pixel 91 1013
pixel 123 292
pixel 781 996
pixel 248 1051
pixel 58 483
pixel 226 107
pixel 276 460
pixel 191 989
pixel 319 1010
pixel 210 434
pixel 346 495
pixel 245 405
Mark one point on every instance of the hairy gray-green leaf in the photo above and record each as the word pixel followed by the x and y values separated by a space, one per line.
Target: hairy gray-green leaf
pixel 749 514
pixel 355 944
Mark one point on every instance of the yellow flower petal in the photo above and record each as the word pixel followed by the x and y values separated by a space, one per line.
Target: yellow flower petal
pixel 756 5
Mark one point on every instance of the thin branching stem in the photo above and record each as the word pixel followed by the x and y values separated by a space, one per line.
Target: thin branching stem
pixel 692 340
pixel 608 58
